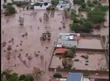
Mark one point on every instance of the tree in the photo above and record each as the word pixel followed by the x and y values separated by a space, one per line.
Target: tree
pixel 70 52
pixel 96 15
pixel 78 1
pixel 83 5
pixel 75 27
pixel 10 10
pixel 90 4
pixel 14 77
pixel 22 77
pixel 67 63
pixel 57 75
pixel 29 77
pixel 54 2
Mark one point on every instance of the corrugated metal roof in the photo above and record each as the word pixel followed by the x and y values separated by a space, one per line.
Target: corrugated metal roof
pixel 74 76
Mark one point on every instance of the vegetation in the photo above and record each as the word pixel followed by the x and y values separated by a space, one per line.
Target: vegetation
pixel 7 75
pixel 67 63
pixel 96 16
pixel 10 10
pixel 57 75
pixel 78 1
pixel 20 3
pixel 70 53
pixel 84 27
pixel 54 2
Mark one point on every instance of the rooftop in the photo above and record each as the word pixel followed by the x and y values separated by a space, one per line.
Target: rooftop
pixel 74 76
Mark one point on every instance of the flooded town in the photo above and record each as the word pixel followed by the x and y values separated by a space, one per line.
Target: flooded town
pixel 55 40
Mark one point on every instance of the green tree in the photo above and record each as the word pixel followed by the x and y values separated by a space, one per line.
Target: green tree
pixel 57 75
pixel 67 63
pixel 22 77
pixel 83 5
pixel 54 2
pixel 96 15
pixel 90 4
pixel 10 10
pixel 14 77
pixel 75 27
pixel 78 1
pixel 29 77
pixel 70 53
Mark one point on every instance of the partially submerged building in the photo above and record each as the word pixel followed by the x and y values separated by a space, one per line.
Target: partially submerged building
pixel 68 39
pixel 63 5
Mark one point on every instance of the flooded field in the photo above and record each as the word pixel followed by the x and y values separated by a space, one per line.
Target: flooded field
pixel 30 44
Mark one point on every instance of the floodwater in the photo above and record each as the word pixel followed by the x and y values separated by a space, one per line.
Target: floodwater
pixel 30 44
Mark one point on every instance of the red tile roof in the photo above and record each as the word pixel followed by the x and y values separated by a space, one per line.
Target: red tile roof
pixel 61 50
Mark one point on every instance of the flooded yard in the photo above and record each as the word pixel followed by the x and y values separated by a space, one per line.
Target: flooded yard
pixel 95 61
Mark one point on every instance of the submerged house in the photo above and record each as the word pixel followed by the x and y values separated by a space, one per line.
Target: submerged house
pixel 39 5
pixel 63 5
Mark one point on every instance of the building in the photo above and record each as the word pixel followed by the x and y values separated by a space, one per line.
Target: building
pixel 68 39
pixel 75 77
pixel 63 5
pixel 72 76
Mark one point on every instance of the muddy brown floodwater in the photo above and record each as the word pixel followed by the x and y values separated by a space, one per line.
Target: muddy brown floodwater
pixel 26 45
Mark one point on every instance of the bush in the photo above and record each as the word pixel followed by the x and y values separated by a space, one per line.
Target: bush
pixel 10 10
pixel 22 77
pixel 83 5
pixel 90 4
pixel 57 75
pixel 20 3
pixel 9 3
pixel 78 1
pixel 96 15
pixel 54 2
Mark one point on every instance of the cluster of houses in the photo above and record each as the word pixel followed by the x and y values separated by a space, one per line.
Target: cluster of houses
pixel 35 4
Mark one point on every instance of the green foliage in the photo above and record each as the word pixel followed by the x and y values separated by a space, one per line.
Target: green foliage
pixel 22 77
pixel 78 1
pixel 85 27
pixel 9 3
pixel 75 27
pixel 14 77
pixel 54 2
pixel 67 63
pixel 103 8
pixel 7 76
pixel 20 3
pixel 10 10
pixel 90 4
pixel 57 75
pixel 96 15
pixel 70 53
pixel 29 77
pixel 83 5
pixel 95 1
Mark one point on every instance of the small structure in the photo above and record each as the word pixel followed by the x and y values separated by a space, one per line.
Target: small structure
pixel 63 5
pixel 39 5
pixel 72 77
pixel 68 39
pixel 75 77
